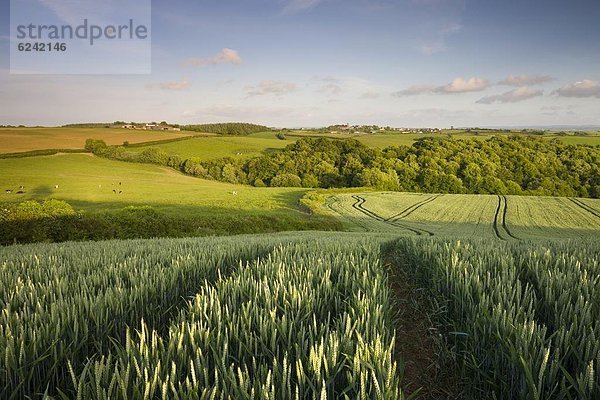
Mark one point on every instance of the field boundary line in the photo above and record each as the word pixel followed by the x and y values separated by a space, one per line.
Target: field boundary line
pixel 42 153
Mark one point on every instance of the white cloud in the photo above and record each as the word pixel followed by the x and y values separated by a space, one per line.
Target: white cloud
pixel 458 85
pixel 234 112
pixel 175 85
pixel 584 88
pixel 438 43
pixel 170 85
pixel 525 80
pixel 415 89
pixel 350 86
pixel 101 12
pixel 370 95
pixel 331 89
pixel 294 6
pixel 269 87
pixel 225 56
pixel 513 96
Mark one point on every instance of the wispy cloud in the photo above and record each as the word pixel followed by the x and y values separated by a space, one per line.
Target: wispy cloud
pixel 458 85
pixel 440 20
pixel 175 85
pixel 294 6
pixel 269 87
pixel 234 112
pixel 584 88
pixel 512 96
pixel 438 43
pixel 370 95
pixel 75 11
pixel 525 80
pixel 331 89
pixel 170 85
pixel 415 90
pixel 225 56
pixel 349 86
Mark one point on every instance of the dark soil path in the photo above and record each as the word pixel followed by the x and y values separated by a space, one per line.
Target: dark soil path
pixel 415 342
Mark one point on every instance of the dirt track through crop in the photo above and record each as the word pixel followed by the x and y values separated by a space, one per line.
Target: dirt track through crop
pixel 500 226
pixel 584 206
pixel 405 213
pixel 359 206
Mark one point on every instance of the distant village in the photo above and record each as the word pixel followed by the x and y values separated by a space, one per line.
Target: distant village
pixel 163 126
pixel 374 129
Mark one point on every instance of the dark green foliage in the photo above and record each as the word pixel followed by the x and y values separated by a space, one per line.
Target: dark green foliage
pixel 38 153
pixel 92 125
pixel 234 128
pixel 31 221
pixel 500 165
pixel 153 155
pixel 286 180
pixel 57 221
pixel 96 146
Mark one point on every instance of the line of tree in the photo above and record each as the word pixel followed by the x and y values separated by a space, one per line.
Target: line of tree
pixel 501 165
pixel 232 128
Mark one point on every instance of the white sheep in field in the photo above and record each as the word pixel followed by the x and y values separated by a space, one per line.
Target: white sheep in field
pixel 234 193
pixel 55 186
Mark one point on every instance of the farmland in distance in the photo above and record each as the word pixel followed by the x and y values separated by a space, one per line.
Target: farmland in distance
pixel 468 216
pixel 17 140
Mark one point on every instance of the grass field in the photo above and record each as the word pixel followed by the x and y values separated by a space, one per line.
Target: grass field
pixel 211 147
pixel 16 140
pixel 88 182
pixel 469 216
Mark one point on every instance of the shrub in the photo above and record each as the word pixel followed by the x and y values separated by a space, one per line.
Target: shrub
pixel 286 180
pixel 96 146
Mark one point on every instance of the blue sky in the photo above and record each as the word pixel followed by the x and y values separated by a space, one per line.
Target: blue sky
pixel 319 62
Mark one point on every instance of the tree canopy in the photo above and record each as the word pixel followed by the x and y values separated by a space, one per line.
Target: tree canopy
pixel 501 165
pixel 233 128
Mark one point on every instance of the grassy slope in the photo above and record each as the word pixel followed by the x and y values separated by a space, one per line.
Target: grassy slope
pixel 88 182
pixel 211 147
pixel 13 140
pixel 464 216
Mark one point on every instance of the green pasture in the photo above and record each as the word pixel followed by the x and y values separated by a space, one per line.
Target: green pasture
pixel 211 147
pixel 93 183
